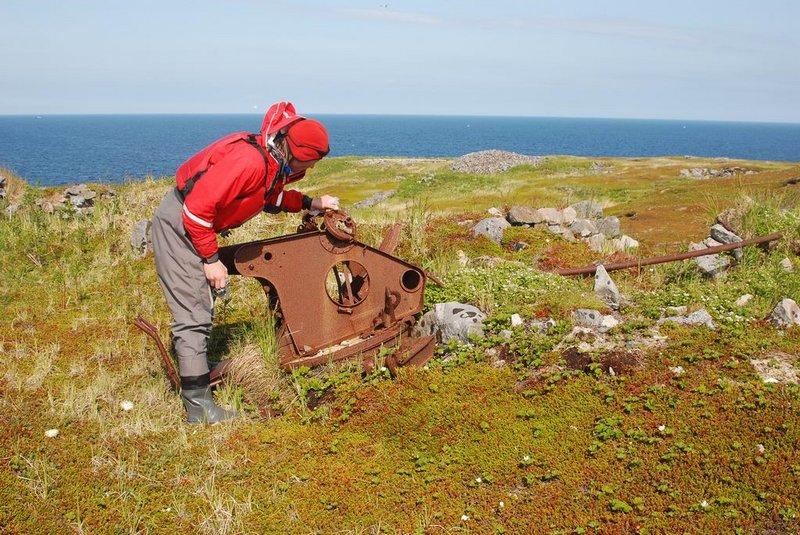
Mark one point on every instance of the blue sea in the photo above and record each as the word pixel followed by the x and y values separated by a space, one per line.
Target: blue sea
pixel 62 149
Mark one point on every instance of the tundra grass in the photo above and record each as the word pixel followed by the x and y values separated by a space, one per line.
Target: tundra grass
pixel 454 447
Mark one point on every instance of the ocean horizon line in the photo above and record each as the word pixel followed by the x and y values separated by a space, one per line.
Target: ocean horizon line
pixel 400 115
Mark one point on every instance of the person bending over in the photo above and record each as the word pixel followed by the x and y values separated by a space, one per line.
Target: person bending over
pixel 218 189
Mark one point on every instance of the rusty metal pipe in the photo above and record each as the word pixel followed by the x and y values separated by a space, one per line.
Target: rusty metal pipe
pixel 150 330
pixel 588 270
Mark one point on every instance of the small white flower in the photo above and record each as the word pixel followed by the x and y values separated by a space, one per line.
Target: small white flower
pixel 771 380
pixel 126 405
pixel 651 270
pixel 761 448
pixel 478 480
pixel 662 428
pixel 384 368
pixel 166 509
pixel 464 518
pixel 526 458
pixel 677 370
pixel 501 504
pixel 51 433
pixel 704 504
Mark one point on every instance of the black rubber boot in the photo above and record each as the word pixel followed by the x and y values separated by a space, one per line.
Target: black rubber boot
pixel 199 403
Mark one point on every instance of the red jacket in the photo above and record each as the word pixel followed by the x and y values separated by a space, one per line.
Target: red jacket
pixel 233 188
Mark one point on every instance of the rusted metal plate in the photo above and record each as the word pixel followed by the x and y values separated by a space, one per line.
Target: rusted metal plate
pixel 330 289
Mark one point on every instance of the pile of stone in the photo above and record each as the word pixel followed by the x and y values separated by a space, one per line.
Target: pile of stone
pixel 581 221
pixel 714 265
pixel 79 197
pixel 702 173
pixel 492 161
pixel 375 199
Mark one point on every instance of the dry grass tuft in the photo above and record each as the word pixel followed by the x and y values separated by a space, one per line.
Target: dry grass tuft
pixel 261 385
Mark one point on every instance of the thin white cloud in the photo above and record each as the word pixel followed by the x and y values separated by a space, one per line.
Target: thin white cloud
pixel 623 28
pixel 391 16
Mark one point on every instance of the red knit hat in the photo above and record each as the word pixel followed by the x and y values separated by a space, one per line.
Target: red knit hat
pixel 308 140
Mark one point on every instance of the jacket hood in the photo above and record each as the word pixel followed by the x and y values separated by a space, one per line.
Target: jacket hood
pixel 278 117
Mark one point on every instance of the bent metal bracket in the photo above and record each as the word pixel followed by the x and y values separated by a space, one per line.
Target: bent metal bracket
pixel 334 297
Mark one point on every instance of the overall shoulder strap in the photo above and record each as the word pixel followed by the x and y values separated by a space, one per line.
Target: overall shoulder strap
pixel 251 140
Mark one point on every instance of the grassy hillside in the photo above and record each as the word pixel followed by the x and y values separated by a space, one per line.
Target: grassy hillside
pixel 519 435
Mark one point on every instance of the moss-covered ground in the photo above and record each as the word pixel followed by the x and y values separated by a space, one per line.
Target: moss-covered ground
pixel 462 445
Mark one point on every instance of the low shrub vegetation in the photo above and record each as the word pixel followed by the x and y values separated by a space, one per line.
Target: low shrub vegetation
pixel 670 430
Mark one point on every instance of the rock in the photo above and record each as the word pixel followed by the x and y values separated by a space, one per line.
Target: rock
pixel 492 228
pixel 587 210
pixel 12 209
pixel 598 243
pixel 593 319
pixel 522 215
pixel 78 201
pixel 516 320
pixel 711 242
pixel 723 235
pixel 555 229
pixel 448 321
pixel 375 199
pixel 777 367
pixel 520 246
pixel 712 265
pixel 75 190
pixel 585 317
pixel 492 161
pixel 785 314
pixel 551 216
pixel 608 322
pixel 743 300
pixel 698 317
pixel 787 266
pixel 568 235
pixel 543 326
pixel 608 226
pixel 463 259
pixel 495 212
pixel 731 218
pixel 623 243
pixel 583 228
pixel 605 288
pixel 2 187
pixel 505 333
pixel 141 240
pixel 568 215
pixel 47 207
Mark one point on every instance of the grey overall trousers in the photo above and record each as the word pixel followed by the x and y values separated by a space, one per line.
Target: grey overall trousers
pixel 188 294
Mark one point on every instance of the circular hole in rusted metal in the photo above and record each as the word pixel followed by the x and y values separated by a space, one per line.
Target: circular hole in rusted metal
pixel 267 256
pixel 411 280
pixel 347 283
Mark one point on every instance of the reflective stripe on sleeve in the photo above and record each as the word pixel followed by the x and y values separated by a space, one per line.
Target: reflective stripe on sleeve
pixel 196 219
pixel 280 198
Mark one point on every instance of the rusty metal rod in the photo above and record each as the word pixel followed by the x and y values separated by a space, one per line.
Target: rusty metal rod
pixel 150 330
pixel 673 257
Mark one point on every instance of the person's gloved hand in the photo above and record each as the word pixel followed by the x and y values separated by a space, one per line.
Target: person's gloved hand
pixel 326 202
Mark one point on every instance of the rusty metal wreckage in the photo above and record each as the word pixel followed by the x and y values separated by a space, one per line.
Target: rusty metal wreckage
pixel 336 298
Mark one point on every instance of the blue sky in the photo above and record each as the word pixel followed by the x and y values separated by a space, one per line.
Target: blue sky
pixel 702 59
